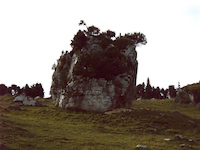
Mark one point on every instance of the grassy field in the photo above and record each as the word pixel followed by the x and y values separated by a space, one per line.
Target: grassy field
pixel 149 123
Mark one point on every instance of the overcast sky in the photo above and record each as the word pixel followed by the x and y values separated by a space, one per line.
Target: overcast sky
pixel 34 32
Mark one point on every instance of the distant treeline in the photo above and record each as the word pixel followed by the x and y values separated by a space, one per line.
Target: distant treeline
pixel 148 92
pixel 32 91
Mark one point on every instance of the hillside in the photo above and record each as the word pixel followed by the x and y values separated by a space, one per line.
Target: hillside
pixel 194 89
pixel 194 86
pixel 157 124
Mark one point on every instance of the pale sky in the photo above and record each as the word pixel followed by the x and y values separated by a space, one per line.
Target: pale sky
pixel 34 32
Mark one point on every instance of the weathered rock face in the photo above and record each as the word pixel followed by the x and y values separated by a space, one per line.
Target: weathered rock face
pixel 86 91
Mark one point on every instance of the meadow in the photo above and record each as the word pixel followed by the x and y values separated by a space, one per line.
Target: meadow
pixel 158 124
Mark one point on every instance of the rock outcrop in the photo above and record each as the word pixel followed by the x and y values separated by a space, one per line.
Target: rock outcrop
pixel 183 97
pixel 23 100
pixel 98 74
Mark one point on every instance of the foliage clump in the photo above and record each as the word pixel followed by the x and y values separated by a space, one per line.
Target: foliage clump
pixel 107 62
pixel 103 64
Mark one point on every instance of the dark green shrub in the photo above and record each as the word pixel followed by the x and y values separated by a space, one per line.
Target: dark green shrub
pixel 79 40
pixel 105 42
pixel 122 43
pixel 102 64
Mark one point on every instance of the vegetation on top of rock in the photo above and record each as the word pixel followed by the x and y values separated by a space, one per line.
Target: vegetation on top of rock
pixel 103 64
pixel 107 59
pixel 105 38
pixel 100 66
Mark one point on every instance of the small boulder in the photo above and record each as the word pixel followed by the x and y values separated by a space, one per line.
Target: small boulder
pixel 141 147
pixel 23 100
pixel 37 98
pixel 20 98
pixel 167 139
pixel 29 102
pixel 183 97
pixel 179 137
pixel 182 145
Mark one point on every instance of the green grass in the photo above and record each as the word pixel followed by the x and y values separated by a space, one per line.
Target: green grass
pixel 150 122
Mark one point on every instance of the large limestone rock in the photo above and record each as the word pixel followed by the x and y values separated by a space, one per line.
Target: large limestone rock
pixel 71 90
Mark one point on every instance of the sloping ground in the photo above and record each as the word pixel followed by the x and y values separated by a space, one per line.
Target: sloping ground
pixel 194 86
pixel 157 124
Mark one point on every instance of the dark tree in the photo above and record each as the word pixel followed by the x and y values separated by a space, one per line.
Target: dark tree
pixel 14 90
pixel 93 31
pixel 110 34
pixel 79 41
pixel 3 89
pixel 138 38
pixel 34 91
pixel 164 93
pixel 172 91
pixel 37 90
pixel 148 90
pixel 82 22
pixel 27 90
pixel 156 93
pixel 140 90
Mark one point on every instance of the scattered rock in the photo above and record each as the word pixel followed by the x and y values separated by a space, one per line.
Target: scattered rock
pixel 179 137
pixel 141 147
pixel 23 100
pixel 190 140
pixel 37 97
pixel 182 145
pixel 167 139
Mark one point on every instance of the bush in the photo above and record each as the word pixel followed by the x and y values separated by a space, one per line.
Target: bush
pixel 122 43
pixel 102 64
pixel 79 40
pixel 34 91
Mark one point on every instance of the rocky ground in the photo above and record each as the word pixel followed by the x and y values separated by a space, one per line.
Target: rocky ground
pixel 149 124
